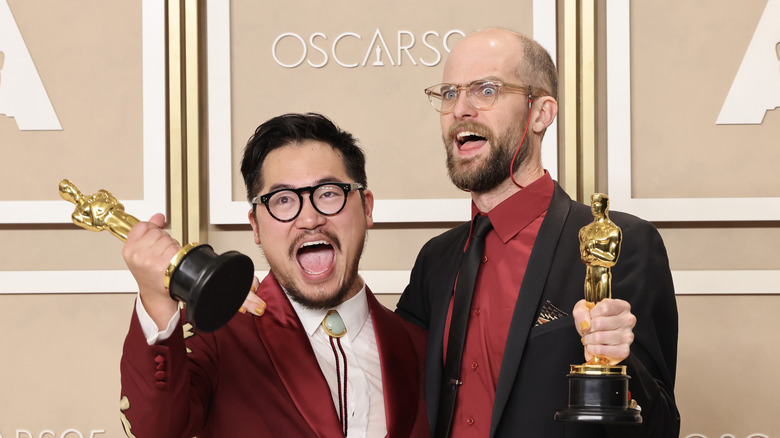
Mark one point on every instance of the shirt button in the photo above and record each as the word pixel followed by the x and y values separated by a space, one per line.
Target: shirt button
pixel 476 311
pixel 484 259
pixel 470 421
pixel 474 365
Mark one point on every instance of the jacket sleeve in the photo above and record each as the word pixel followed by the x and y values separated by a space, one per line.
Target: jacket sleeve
pixel 643 278
pixel 414 305
pixel 165 394
pixel 433 273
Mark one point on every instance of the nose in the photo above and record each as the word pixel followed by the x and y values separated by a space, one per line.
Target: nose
pixel 309 218
pixel 463 107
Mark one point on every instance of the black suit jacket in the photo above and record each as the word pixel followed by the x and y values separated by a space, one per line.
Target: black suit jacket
pixel 532 382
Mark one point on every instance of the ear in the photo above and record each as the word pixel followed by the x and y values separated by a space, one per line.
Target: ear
pixel 255 226
pixel 369 207
pixel 545 109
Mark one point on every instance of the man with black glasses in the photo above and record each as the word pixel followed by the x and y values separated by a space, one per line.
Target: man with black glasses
pixel 326 359
pixel 497 360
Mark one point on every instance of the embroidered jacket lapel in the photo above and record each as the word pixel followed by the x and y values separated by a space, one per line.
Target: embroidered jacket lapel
pixel 290 350
pixel 399 376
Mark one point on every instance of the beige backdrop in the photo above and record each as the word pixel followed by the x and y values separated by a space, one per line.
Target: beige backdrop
pixel 681 73
pixel 383 106
pixel 60 352
pixel 90 64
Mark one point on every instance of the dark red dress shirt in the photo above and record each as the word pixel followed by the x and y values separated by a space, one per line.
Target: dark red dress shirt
pixel 516 222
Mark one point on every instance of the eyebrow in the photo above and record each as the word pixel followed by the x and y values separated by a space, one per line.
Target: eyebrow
pixel 327 179
pixel 487 78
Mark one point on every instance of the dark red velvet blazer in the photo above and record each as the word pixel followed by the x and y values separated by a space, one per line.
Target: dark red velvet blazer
pixel 258 376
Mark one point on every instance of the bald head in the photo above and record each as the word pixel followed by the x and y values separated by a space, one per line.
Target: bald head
pixel 500 50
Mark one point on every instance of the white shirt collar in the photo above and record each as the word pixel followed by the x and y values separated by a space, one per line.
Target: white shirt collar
pixel 354 312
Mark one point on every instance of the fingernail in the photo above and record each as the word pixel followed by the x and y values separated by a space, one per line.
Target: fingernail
pixel 259 310
pixel 253 288
pixel 582 340
pixel 242 309
pixel 590 305
pixel 584 325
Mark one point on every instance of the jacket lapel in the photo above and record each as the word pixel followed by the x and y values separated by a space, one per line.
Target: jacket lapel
pixel 528 299
pixel 443 286
pixel 399 376
pixel 290 350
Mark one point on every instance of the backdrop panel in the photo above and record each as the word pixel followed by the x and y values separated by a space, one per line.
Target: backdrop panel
pixel 82 96
pixel 677 152
pixel 363 65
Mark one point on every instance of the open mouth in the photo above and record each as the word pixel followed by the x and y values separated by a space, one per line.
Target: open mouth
pixel 316 257
pixel 469 140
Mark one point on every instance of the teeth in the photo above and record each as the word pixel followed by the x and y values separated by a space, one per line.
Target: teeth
pixel 465 136
pixel 315 273
pixel 316 242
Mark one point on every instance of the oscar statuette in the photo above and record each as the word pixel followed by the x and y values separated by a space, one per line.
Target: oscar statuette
pixel 598 390
pixel 211 286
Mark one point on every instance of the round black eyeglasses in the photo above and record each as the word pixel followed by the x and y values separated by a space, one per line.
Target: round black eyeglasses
pixel 285 205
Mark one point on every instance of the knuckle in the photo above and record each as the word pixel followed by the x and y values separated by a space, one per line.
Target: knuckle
pixel 597 338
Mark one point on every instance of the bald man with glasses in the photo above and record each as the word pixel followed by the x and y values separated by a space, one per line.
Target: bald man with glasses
pixel 524 321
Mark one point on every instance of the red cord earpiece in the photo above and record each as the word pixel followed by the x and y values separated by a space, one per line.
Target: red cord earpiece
pixel 512 164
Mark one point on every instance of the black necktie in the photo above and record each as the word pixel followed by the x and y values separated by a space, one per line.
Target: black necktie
pixel 464 290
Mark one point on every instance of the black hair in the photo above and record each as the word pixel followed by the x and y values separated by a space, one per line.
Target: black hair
pixel 297 128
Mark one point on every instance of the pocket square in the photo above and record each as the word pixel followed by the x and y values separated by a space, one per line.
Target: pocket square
pixel 549 313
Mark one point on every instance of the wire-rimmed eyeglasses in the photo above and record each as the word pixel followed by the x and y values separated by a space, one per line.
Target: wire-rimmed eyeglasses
pixel 285 205
pixel 482 94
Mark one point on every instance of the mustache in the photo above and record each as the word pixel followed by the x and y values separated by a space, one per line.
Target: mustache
pixel 471 126
pixel 304 235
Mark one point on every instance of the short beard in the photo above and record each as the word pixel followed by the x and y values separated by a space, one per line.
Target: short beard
pixel 495 169
pixel 322 302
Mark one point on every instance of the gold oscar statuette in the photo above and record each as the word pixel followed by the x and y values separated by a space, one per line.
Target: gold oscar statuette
pixel 212 286
pixel 598 390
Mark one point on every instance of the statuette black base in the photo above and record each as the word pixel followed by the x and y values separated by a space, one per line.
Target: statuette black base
pixel 599 399
pixel 212 286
